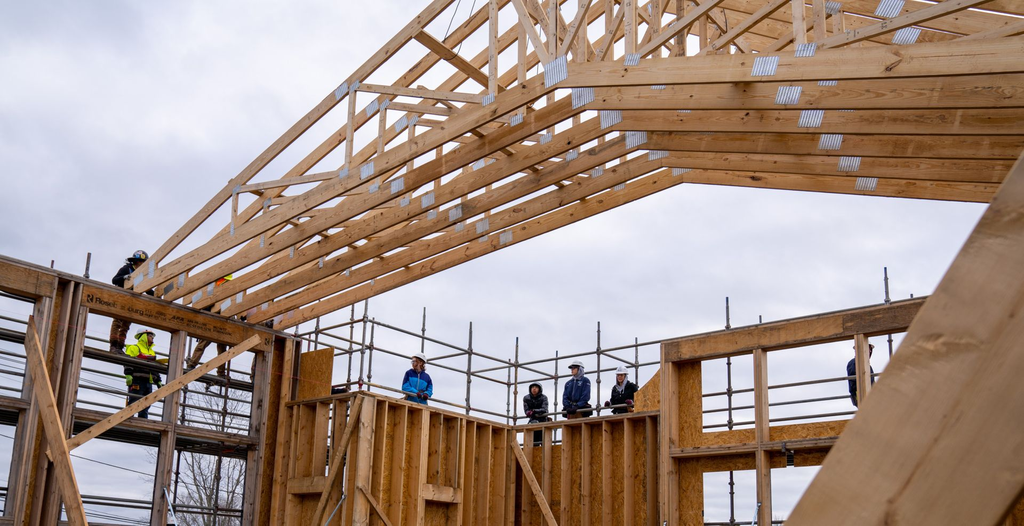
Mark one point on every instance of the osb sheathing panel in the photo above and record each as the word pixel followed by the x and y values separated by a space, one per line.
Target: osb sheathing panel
pixel 315 372
pixel 1016 517
pixel 691 493
pixel 638 479
pixel 617 482
pixel 691 417
pixel 598 459
pixel 439 514
pixel 648 398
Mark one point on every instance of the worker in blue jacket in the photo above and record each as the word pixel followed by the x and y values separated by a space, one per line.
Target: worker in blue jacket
pixel 416 383
pixel 576 395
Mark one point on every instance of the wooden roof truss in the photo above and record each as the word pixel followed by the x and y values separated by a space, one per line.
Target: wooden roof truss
pixel 597 103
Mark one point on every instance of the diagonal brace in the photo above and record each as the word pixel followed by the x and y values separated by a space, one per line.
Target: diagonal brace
pixel 152 398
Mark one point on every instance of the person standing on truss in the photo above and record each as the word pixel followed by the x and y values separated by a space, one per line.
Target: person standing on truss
pixel 417 385
pixel 118 327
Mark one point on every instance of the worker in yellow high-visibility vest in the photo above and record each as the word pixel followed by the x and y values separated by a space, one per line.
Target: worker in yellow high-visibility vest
pixel 140 381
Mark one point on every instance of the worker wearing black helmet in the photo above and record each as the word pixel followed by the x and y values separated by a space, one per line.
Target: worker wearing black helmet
pixel 118 327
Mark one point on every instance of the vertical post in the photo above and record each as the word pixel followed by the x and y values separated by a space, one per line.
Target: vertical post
pixel 508 392
pixel 818 12
pixel 630 34
pixel 469 366
pixel 728 324
pixel 681 37
pixel 362 343
pixel 88 262
pixel 316 334
pixel 863 364
pixel 369 357
pixel 555 405
pixel 636 360
pixel 165 453
pixel 515 388
pixel 729 423
pixel 598 405
pixel 492 47
pixel 423 332
pixel 350 131
pixel 799 26
pixel 761 432
pixel 351 337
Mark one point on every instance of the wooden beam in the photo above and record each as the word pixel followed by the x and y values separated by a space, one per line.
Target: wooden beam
pixel 545 510
pixel 338 466
pixel 734 33
pixel 438 95
pixel 863 366
pixel 962 356
pixel 60 453
pixel 762 428
pixel 376 506
pixel 796 332
pixel 531 31
pixel 450 56
pixel 171 387
pixel 931 12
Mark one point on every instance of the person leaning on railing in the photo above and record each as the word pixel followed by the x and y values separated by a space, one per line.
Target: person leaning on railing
pixel 623 392
pixel 576 395
pixel 417 384
pixel 535 407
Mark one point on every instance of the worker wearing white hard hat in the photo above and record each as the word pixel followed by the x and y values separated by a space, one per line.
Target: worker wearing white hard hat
pixel 140 381
pixel 576 395
pixel 417 385
pixel 623 392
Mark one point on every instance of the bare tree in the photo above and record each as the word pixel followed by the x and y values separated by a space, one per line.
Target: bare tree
pixel 209 488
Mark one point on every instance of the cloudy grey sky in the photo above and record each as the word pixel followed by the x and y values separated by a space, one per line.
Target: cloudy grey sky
pixel 118 120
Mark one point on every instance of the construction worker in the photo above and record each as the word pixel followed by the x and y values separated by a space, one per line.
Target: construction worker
pixel 118 327
pixel 851 371
pixel 417 384
pixel 140 381
pixel 197 353
pixel 622 392
pixel 576 395
pixel 535 407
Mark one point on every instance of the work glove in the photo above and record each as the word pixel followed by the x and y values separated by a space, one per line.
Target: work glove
pixel 629 403
pixel 607 403
pixel 128 379
pixel 423 396
pixel 529 413
pixel 571 410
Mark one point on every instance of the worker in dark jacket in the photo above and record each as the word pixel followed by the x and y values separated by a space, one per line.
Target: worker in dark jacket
pixel 118 327
pixel 535 407
pixel 576 395
pixel 851 371
pixel 623 392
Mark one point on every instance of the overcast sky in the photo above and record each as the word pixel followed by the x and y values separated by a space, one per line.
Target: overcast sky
pixel 119 120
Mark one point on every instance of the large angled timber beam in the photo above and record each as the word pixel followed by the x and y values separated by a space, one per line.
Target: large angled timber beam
pixel 607 200
pixel 581 188
pixel 948 407
pixel 450 56
pixel 905 20
pixel 535 488
pixel 54 431
pixel 904 188
pixel 955 147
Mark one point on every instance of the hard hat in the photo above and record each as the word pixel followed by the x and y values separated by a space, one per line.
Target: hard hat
pixel 420 356
pixel 622 370
pixel 139 255
pixel 143 330
pixel 575 363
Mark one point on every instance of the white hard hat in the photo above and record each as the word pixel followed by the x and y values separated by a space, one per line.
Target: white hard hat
pixel 622 370
pixel 575 363
pixel 143 330
pixel 421 356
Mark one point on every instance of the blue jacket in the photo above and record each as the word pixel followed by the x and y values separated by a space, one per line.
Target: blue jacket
pixel 576 393
pixel 413 383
